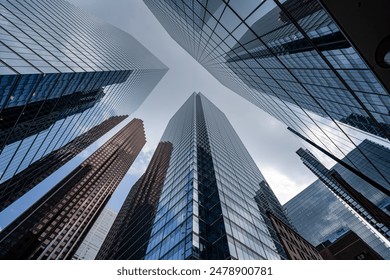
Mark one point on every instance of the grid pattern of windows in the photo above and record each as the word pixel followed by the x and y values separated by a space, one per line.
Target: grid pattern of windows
pixel 295 246
pixel 62 72
pixel 95 237
pixel 129 236
pixel 289 58
pixel 357 199
pixel 207 208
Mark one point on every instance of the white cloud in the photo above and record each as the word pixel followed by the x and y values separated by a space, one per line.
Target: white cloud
pixel 284 187
pixel 141 163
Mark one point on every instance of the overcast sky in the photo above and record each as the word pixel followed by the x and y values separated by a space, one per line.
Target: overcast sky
pixel 267 140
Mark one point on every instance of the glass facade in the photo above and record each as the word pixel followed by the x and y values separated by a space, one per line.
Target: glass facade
pixel 355 194
pixel 62 72
pixel 345 202
pixel 318 215
pixel 207 208
pixel 289 58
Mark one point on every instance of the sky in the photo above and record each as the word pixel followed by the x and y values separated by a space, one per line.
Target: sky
pixel 268 141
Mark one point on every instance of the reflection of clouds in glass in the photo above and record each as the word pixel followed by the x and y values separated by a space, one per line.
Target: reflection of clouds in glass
pixel 373 231
pixel 318 214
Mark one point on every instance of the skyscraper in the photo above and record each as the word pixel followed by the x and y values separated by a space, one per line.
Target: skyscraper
pixel 56 224
pixel 95 237
pixel 62 72
pixel 340 201
pixel 291 59
pixel 202 205
pixel 21 183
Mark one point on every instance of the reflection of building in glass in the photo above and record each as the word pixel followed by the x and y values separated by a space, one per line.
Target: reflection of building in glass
pixel 352 190
pixel 317 214
pixel 95 237
pixel 23 121
pixel 55 226
pixel 24 181
pixel 129 235
pixel 290 59
pixel 365 124
pixel 340 200
pixel 62 72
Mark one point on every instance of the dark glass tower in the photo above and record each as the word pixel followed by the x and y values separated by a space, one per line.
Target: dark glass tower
pixel 56 224
pixel 207 207
pixel 24 181
pixel 340 201
pixel 63 72
pixel 291 59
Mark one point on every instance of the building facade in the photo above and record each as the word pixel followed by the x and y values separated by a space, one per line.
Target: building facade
pixel 317 214
pixel 355 193
pixel 344 202
pixel 95 237
pixel 55 226
pixel 63 72
pixel 295 246
pixel 129 236
pixel 292 60
pixel 21 183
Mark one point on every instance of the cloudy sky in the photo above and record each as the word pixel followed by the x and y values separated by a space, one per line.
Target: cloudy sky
pixel 269 142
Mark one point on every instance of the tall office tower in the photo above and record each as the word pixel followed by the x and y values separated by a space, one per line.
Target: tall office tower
pixel 291 59
pixel 57 223
pixel 345 202
pixel 207 207
pixel 21 183
pixel 95 237
pixel 63 72
pixel 128 237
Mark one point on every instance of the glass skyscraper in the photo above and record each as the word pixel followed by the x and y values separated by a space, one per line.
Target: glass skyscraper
pixel 63 72
pixel 289 58
pixel 333 205
pixel 95 237
pixel 206 207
